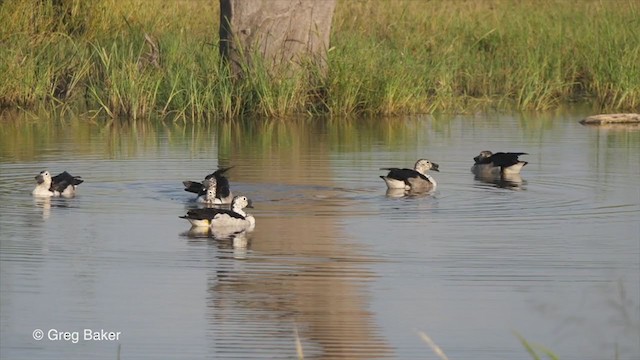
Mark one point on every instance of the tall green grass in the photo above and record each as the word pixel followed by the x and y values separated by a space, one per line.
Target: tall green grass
pixel 536 351
pixel 146 59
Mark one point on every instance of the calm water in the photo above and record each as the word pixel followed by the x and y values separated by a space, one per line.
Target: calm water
pixel 355 273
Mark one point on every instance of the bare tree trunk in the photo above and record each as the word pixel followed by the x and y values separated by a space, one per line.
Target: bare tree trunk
pixel 284 33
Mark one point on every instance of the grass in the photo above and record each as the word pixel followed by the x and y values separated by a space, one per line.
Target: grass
pixel 533 350
pixel 536 350
pixel 137 59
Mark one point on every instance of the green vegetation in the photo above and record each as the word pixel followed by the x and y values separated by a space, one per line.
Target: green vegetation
pixel 536 350
pixel 142 59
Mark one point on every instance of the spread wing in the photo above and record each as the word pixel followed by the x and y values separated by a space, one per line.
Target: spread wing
pixel 218 173
pixel 63 180
pixel 192 186
pixel 222 187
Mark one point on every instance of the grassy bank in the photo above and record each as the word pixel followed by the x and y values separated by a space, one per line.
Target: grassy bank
pixel 144 58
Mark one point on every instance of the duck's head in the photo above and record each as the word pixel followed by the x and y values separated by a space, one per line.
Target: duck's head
pixel 241 202
pixel 424 165
pixel 484 154
pixel 43 177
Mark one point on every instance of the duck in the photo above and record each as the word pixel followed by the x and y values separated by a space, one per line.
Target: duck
pixel 414 180
pixel 215 180
pixel 501 164
pixel 63 184
pixel 216 218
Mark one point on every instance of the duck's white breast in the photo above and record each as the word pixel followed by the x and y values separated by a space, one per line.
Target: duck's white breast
pixel 42 191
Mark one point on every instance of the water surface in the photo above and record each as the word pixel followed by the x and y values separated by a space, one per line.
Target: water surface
pixel 353 272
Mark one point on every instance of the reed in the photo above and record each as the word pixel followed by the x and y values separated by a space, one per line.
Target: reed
pixel 146 59
pixel 299 350
pixel 536 350
pixel 434 347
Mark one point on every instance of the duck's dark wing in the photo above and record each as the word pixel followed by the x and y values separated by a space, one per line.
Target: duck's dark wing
pixel 63 180
pixel 192 186
pixel 401 174
pixel 505 159
pixel 222 188
pixel 218 173
pixel 222 183
pixel 209 213
pixel 202 214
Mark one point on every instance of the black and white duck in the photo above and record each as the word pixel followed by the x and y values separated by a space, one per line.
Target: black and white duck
pixel 235 218
pixel 63 184
pixel 414 180
pixel 488 163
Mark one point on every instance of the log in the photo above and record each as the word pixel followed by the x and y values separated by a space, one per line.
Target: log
pixel 603 119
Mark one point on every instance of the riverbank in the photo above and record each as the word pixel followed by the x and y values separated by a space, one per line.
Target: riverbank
pixel 142 59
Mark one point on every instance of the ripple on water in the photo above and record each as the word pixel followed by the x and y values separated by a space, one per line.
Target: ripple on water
pixel 360 272
pixel 543 201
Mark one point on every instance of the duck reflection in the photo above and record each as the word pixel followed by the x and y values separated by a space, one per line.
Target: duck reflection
pixel 265 296
pixel 237 237
pixel 238 242
pixel 505 181
pixel 302 271
pixel 402 193
pixel 46 203
pixel 198 232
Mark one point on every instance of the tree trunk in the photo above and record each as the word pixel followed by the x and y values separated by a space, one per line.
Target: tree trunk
pixel 285 33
